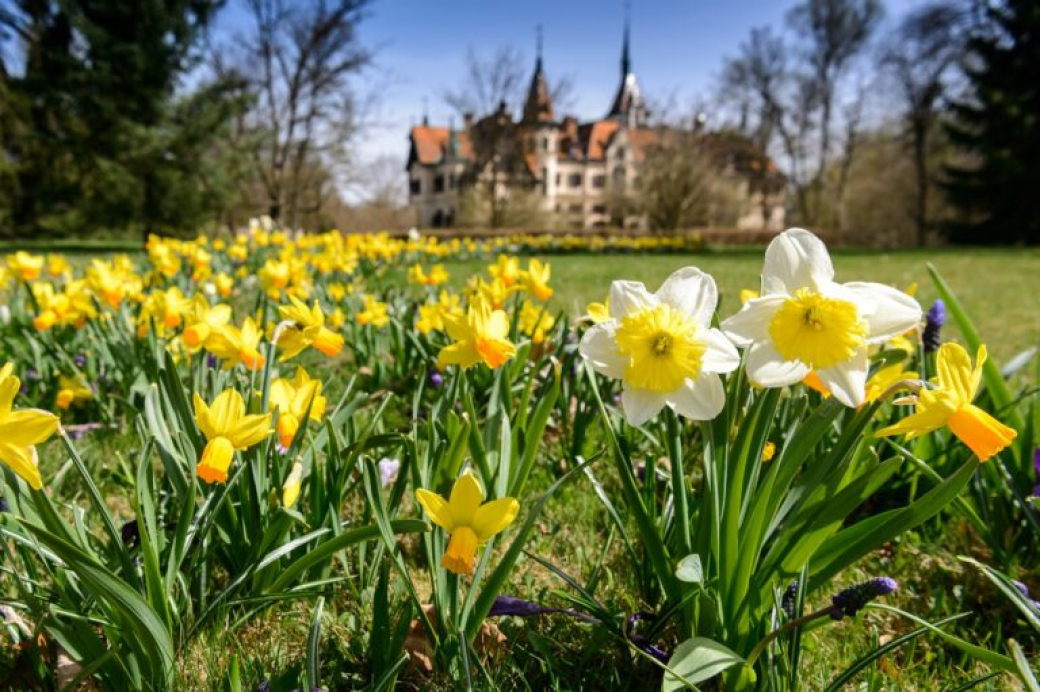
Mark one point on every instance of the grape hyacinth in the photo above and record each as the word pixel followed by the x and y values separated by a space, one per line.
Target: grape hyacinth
pixel 934 320
pixel 849 601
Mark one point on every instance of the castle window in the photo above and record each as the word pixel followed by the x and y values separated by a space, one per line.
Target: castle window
pixel 545 144
pixel 619 177
pixel 415 186
pixel 438 183
pixel 599 181
pixel 574 180
pixel 545 182
pixel 575 209
pixel 451 181
pixel 599 209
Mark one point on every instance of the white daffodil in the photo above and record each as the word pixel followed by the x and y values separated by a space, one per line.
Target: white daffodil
pixel 805 322
pixel 662 347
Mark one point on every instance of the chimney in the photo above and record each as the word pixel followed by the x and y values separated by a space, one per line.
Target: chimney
pixel 467 120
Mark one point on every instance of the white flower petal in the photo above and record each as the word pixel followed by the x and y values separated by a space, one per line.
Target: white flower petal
pixel 720 355
pixel 847 381
pixel 599 347
pixel 629 296
pixel 751 324
pixel 895 311
pixel 640 405
pixel 796 259
pixel 699 399
pixel 767 368
pixel 691 291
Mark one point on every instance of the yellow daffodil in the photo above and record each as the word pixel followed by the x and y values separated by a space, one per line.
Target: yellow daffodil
pixel 438 275
pixel 236 345
pixel 506 269
pixel 598 312
pixel 882 380
pixel 291 487
pixel 57 265
pixel 71 390
pixel 227 428
pixel 306 328
pixel 535 322
pixel 374 312
pixel 203 321
pixel 293 399
pixel 25 266
pixel 470 521
pixel 950 405
pixel 21 431
pixel 432 315
pixel 225 284
pixel 480 335
pixel 495 292
pixel 535 280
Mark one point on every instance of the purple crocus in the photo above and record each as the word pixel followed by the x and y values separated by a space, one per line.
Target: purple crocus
pixel 435 378
pixel 388 469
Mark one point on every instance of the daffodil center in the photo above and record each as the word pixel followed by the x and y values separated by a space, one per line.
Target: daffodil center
pixel 662 348
pixel 817 330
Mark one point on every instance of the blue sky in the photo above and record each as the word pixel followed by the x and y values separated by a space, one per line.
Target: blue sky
pixel 420 46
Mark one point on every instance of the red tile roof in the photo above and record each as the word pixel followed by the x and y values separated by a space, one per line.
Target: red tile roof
pixel 430 144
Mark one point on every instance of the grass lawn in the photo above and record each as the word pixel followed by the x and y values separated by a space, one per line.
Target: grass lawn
pixel 998 287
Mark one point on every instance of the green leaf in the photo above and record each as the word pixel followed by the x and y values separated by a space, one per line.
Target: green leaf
pixel 696 660
pixel 1025 673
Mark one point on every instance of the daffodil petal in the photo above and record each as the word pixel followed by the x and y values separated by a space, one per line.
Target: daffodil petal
pixel 436 508
pixel 751 324
pixel 466 496
pixel 640 405
pixel 249 430
pixel 494 517
pixel 22 461
pixel 720 355
pixel 767 368
pixel 29 426
pixel 599 347
pixel 629 296
pixel 227 408
pixel 895 312
pixel 953 365
pixel 701 399
pixel 9 387
pixel 847 381
pixel 796 259
pixel 691 291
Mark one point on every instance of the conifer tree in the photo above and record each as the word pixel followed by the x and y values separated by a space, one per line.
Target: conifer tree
pixel 997 128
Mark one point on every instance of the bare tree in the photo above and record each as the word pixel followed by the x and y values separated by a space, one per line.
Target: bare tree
pixel 299 59
pixel 501 77
pixel 919 57
pixel 837 32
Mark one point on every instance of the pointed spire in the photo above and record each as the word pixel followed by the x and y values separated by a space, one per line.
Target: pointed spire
pixel 425 112
pixel 626 63
pixel 538 61
pixel 628 103
pixel 538 105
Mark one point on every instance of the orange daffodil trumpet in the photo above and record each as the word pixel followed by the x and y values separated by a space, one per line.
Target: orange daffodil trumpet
pixel 470 521
pixel 481 335
pixel 663 348
pixel 227 428
pixel 21 431
pixel 950 405
pixel 804 321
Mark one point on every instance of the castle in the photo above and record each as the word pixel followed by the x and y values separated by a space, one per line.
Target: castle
pixel 573 169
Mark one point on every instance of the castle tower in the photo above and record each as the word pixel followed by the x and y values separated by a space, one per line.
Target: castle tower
pixel 538 105
pixel 628 106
